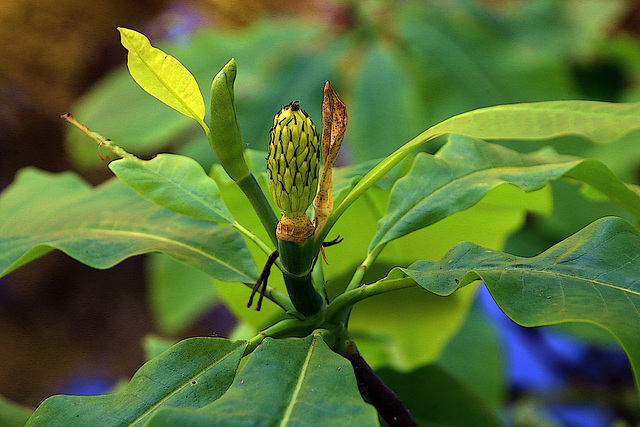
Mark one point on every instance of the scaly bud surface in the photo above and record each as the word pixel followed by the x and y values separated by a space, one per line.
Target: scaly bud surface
pixel 293 161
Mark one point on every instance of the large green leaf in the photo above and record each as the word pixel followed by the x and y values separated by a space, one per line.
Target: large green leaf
pixel 177 183
pixel 190 374
pixel 464 170
pixel 383 118
pixel 599 121
pixel 295 381
pixel 591 277
pixel 162 75
pixel 100 227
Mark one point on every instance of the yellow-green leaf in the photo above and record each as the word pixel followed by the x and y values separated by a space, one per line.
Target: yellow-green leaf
pixel 163 76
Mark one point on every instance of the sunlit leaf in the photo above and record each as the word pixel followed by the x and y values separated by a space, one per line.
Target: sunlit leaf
pixel 162 75
pixel 599 121
pixel 178 294
pixel 12 414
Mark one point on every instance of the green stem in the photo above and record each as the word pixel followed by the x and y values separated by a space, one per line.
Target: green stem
pixel 343 303
pixel 297 260
pixel 250 187
pixel 317 276
pixel 356 279
pixel 282 329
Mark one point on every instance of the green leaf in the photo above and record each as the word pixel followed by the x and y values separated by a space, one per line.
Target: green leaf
pixel 178 294
pixel 177 183
pixel 294 381
pixel 155 345
pixel 464 170
pixel 598 121
pixel 12 414
pixel 163 76
pixel 102 226
pixel 190 374
pixel 481 370
pixel 591 277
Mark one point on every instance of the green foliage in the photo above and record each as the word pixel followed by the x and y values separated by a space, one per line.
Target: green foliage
pixel 589 277
pixel 165 381
pixel 294 368
pixel 100 227
pixel 284 382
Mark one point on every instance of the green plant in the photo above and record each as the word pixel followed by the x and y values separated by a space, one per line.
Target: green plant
pixel 304 366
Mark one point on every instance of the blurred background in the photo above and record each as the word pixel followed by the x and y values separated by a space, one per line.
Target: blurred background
pixel 400 66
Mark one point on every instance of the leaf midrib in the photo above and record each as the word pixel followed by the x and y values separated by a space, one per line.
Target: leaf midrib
pixel 78 232
pixel 299 385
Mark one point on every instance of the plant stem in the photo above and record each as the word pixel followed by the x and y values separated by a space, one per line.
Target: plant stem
pixel 356 279
pixel 344 301
pixel 282 329
pixel 376 392
pixel 250 187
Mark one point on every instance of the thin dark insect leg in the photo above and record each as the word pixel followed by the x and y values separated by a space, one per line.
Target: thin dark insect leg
pixel 262 280
pixel 327 244
pixel 332 242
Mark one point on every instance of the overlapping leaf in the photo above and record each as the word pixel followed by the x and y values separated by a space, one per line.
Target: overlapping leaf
pixel 177 183
pixel 591 277
pixel 464 170
pixel 100 227
pixel 296 381
pixel 190 374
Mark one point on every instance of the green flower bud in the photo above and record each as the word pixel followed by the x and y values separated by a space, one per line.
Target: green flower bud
pixel 224 137
pixel 293 160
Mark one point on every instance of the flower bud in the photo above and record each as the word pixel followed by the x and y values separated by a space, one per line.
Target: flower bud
pixel 224 137
pixel 293 160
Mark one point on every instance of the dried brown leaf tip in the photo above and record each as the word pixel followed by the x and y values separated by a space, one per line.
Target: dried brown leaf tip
pixel 334 125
